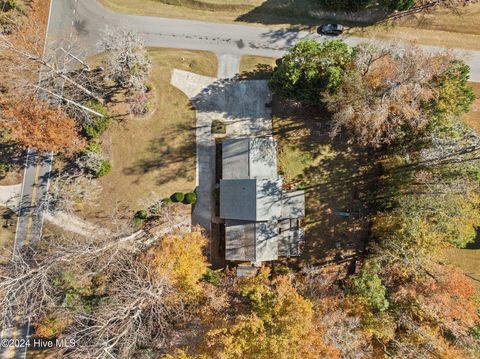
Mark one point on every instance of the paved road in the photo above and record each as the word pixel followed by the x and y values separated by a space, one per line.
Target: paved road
pixel 86 18
pixel 29 228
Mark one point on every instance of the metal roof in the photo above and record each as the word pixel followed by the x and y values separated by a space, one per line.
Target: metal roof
pixel 251 199
pixel 249 158
pixel 293 204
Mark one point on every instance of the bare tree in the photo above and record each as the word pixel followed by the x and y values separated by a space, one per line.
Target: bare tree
pixel 127 61
pixel 139 311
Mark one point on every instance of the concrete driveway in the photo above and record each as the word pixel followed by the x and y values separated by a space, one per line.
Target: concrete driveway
pixel 240 105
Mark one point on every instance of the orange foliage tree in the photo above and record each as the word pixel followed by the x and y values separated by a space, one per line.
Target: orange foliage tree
pixel 34 123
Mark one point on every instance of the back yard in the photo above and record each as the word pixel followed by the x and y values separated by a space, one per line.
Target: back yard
pixel 335 177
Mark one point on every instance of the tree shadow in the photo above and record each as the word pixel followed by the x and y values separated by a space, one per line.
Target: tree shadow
pixel 309 13
pixel 164 157
pixel 336 184
pixel 260 72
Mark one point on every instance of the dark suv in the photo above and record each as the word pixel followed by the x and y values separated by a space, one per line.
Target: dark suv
pixel 330 29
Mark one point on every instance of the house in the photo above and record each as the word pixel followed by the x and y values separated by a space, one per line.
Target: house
pixel 262 221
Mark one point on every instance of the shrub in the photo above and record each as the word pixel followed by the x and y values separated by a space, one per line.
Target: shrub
pixel 177 197
pixel 105 168
pixel 97 125
pixel 142 214
pixel 211 276
pixel 93 147
pixel 281 270
pixel 190 198
pixel 166 201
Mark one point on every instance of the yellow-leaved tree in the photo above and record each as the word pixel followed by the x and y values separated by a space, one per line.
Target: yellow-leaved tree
pixel 277 324
pixel 180 258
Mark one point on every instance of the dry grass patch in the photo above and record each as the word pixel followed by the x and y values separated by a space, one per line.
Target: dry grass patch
pixel 155 154
pixel 256 67
pixel 257 12
pixel 442 27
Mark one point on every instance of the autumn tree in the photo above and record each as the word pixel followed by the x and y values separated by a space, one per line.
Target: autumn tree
pixel 35 123
pixel 276 325
pixel 392 94
pixel 181 259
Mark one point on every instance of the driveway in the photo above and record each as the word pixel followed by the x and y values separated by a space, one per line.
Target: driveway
pixel 240 105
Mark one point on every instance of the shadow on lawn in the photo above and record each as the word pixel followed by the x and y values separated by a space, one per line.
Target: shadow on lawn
pixel 175 159
pixel 336 184
pixel 309 13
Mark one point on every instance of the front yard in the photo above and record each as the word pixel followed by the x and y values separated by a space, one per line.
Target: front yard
pixel 155 154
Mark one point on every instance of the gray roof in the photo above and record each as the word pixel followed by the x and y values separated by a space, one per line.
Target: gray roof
pixel 261 221
pixel 251 199
pixel 249 158
pixel 251 241
pixel 293 204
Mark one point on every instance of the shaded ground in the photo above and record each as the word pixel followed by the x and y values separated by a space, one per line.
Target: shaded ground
pixel 258 12
pixel 335 176
pixel 155 154
pixel 256 67
pixel 469 258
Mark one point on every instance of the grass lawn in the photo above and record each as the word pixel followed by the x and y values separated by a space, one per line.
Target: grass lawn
pixel 256 67
pixel 334 175
pixel 155 154
pixel 468 260
pixel 460 29
pixel 266 12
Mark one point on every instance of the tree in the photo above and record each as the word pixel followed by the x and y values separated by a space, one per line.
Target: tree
pixel 385 94
pixel 127 61
pixel 454 95
pixel 278 324
pixel 34 123
pixel 368 286
pixel 310 68
pixel 181 258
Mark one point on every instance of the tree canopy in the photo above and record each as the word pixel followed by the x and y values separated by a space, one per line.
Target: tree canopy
pixel 309 68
